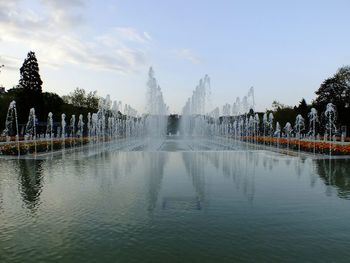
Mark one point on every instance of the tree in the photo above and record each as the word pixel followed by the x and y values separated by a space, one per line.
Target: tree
pixel 283 113
pixel 79 98
pixel 52 103
pixel 336 90
pixel 302 108
pixel 30 77
pixel 92 100
pixel 276 105
pixel 28 92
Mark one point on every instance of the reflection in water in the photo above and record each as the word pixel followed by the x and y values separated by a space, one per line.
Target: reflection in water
pixel 299 166
pixel 154 163
pixel 119 164
pixel 335 173
pixel 232 205
pixel 238 166
pixel 241 168
pixel 195 165
pixel 30 178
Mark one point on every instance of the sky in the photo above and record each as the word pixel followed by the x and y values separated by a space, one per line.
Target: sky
pixel 284 49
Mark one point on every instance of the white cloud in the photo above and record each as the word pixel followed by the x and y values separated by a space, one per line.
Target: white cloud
pixel 10 63
pixel 52 30
pixel 187 54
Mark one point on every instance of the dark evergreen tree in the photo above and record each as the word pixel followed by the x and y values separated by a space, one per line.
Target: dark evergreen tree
pixel 302 108
pixel 29 90
pixel 30 77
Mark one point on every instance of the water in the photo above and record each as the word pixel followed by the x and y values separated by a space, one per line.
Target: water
pixel 176 200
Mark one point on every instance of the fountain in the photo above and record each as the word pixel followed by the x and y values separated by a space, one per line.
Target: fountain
pixel 80 130
pixel 330 115
pixel 299 126
pixel 63 129
pixel 11 125
pixel 313 119
pixel 115 123
pixel 265 123
pixel 49 130
pixel 270 124
pixel 256 123
pixel 156 110
pixel 30 130
pixel 288 131
pixel 89 126
pixel 277 133
pixel 72 131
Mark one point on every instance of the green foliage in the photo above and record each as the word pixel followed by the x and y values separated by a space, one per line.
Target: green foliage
pixel 282 113
pixel 303 108
pixel 79 98
pixel 277 105
pixel 336 90
pixel 52 103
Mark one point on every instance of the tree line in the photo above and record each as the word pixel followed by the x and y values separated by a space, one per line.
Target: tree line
pixel 335 90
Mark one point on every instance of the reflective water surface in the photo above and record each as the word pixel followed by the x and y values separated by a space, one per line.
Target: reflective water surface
pixel 175 206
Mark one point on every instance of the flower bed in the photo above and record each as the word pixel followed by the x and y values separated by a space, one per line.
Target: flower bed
pixel 320 147
pixel 40 146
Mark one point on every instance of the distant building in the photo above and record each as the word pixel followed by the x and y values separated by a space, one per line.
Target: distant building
pixel 2 90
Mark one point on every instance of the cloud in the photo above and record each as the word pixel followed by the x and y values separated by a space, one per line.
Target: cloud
pixel 187 54
pixel 52 31
pixel 10 63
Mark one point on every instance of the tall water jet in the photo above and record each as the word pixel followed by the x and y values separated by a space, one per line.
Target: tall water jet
pixel 156 109
pixel 299 126
pixel 313 119
pixel 196 118
pixel 89 125
pixel 30 130
pixel 63 129
pixel 72 126
pixel 80 131
pixel 49 129
pixel 271 123
pixel 257 123
pixel 278 133
pixel 72 130
pixel 11 124
pixel 265 124
pixel 330 115
pixel 251 98
pixel 288 131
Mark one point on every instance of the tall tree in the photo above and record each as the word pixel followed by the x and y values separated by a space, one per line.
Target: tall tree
pixel 336 90
pixel 302 108
pixel 79 98
pixel 30 77
pixel 29 91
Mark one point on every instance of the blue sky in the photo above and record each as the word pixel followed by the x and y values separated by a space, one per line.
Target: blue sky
pixel 285 49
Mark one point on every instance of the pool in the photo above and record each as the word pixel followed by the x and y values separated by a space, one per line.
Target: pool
pixel 175 200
